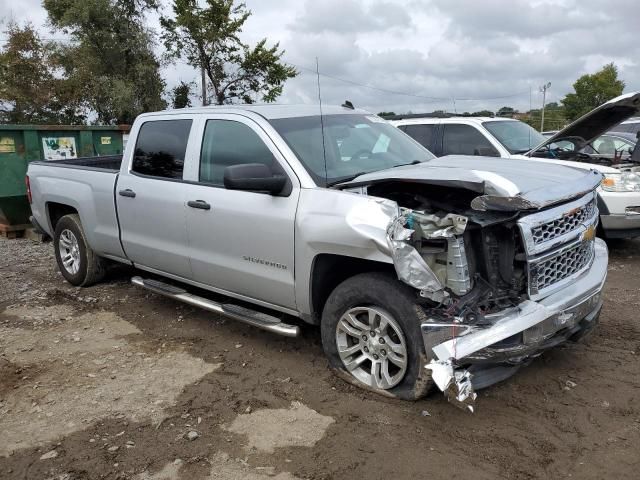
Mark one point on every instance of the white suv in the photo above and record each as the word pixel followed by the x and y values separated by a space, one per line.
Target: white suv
pixel 619 194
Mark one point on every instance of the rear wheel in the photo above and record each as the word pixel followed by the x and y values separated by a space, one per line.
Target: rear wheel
pixel 77 262
pixel 371 336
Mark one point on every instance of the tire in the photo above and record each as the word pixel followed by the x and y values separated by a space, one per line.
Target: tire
pixel 377 298
pixel 77 262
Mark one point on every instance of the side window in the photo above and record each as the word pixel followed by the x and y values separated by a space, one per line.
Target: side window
pixel 622 146
pixel 227 143
pixel 423 134
pixel 161 147
pixel 605 145
pixel 466 140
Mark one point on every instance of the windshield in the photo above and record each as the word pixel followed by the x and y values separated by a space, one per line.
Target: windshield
pixel 354 145
pixel 516 137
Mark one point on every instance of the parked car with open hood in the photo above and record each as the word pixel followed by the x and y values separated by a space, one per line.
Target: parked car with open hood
pixel 420 272
pixel 611 148
pixel 619 195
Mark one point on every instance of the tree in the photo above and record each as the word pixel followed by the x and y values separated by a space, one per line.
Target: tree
pixel 506 112
pixel 208 37
pixel 110 61
pixel 483 113
pixel 554 117
pixel 30 90
pixel 180 95
pixel 592 90
pixel 386 114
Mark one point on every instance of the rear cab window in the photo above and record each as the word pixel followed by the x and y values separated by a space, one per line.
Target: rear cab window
pixel 161 148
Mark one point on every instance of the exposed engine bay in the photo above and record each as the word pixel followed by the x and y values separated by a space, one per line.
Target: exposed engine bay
pixel 477 258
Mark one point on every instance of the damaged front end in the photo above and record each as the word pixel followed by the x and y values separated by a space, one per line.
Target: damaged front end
pixel 498 284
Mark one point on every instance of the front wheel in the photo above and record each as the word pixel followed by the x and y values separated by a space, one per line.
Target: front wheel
pixel 371 336
pixel 77 262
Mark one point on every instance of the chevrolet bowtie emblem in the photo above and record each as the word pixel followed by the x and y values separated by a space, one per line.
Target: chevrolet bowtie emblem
pixel 589 234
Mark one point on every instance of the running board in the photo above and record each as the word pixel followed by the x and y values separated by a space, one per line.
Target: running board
pixel 237 312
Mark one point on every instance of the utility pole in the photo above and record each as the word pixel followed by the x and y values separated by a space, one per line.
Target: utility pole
pixel 544 89
pixel 204 86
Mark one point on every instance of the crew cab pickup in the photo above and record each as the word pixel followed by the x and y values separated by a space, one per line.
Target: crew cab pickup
pixel 619 194
pixel 420 271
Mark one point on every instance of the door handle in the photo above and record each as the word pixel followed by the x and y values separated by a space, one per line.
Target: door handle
pixel 127 193
pixel 201 204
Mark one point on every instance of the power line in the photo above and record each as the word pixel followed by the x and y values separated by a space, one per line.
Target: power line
pixel 344 80
pixel 406 94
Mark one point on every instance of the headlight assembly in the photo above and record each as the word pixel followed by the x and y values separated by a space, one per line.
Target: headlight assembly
pixel 621 182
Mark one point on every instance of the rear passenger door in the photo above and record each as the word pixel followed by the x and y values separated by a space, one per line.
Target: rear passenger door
pixel 241 242
pixel 461 139
pixel 151 198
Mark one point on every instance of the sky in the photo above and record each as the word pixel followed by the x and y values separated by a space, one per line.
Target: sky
pixel 424 55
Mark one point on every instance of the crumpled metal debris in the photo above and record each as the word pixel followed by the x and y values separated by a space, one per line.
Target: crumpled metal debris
pixel 433 226
pixel 455 384
pixel 409 264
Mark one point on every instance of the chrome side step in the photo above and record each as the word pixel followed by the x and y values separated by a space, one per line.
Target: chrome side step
pixel 237 312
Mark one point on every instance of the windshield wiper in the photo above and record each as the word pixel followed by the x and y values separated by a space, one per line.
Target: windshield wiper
pixel 345 179
pixel 415 162
pixel 356 175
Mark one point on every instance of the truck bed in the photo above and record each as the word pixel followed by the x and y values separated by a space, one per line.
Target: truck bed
pixel 107 162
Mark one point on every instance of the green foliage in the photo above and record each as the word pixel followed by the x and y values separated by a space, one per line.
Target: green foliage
pixel 554 117
pixel 30 90
pixel 180 95
pixel 110 61
pixel 592 90
pixel 208 37
pixel 386 114
pixel 506 112
pixel 483 113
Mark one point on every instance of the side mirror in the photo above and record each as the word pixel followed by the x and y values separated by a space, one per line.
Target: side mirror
pixel 253 177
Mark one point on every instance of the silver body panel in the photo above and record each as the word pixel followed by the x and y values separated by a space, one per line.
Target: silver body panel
pixel 245 243
pixel 90 192
pixel 153 225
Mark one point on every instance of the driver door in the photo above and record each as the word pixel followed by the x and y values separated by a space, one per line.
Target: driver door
pixel 241 242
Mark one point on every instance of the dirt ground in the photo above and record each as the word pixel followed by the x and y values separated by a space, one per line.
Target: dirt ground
pixel 115 382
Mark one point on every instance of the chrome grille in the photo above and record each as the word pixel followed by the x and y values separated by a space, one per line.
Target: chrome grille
pixel 558 244
pixel 550 271
pixel 560 226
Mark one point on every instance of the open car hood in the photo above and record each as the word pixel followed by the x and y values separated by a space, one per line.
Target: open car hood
pixel 501 184
pixel 598 121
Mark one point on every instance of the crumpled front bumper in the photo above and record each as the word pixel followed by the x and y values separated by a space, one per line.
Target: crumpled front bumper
pixel 513 336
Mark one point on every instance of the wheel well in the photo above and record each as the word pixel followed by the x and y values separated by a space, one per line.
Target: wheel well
pixel 56 211
pixel 331 270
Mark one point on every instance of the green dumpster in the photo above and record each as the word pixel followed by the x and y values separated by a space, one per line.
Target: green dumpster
pixel 20 144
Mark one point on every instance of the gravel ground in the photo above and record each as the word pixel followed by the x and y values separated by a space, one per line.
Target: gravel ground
pixel 114 382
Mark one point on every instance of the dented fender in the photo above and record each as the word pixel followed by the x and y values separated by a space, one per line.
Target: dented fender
pixel 370 228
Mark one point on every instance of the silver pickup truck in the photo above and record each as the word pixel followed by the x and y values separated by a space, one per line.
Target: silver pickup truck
pixel 420 271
